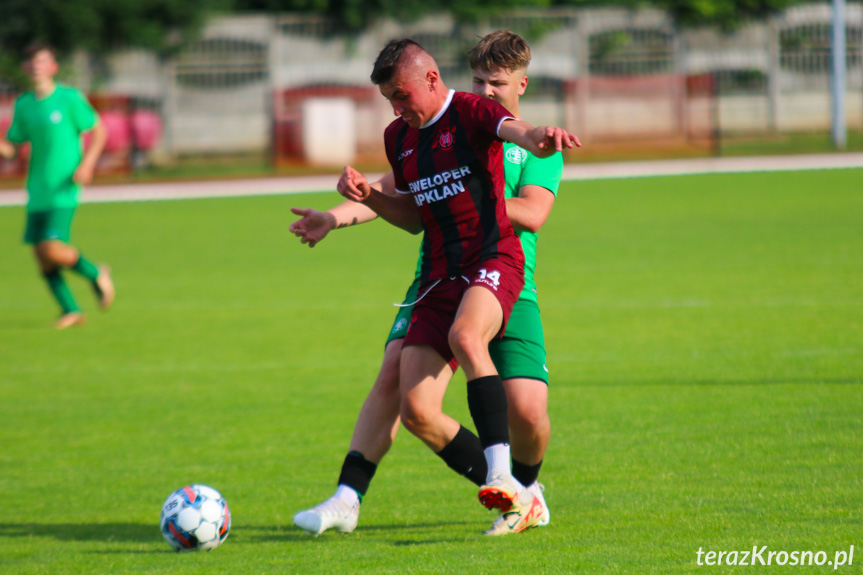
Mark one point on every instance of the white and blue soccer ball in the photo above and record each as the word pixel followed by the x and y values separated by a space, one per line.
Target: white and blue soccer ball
pixel 195 518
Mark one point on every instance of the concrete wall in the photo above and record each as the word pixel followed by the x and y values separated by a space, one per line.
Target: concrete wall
pixel 238 118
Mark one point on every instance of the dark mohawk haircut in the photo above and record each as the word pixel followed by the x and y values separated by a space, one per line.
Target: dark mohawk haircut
pixel 387 60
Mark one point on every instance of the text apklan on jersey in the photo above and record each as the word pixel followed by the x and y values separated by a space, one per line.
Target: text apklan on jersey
pixel 453 168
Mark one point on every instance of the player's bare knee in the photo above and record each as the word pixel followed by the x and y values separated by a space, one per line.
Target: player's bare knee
pixel 464 342
pixel 527 418
pixel 415 417
pixel 412 421
pixel 50 252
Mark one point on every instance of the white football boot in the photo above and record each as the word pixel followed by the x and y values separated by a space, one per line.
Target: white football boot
pixel 536 490
pixel 500 493
pixel 333 512
pixel 516 521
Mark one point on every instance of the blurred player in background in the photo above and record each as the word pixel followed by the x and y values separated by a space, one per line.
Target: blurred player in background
pixel 52 118
pixel 499 64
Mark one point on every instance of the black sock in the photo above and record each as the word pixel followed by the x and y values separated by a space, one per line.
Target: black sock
pixel 357 472
pixel 464 456
pixel 486 399
pixel 526 474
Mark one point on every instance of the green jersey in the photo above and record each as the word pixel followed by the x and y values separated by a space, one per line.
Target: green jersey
pixel 53 126
pixel 521 168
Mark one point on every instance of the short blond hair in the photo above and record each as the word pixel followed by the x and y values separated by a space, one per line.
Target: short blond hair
pixel 501 50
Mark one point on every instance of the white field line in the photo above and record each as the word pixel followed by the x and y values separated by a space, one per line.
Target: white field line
pixel 312 184
pixel 643 169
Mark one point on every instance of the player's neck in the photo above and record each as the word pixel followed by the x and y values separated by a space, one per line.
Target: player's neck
pixel 44 88
pixel 443 105
pixel 514 110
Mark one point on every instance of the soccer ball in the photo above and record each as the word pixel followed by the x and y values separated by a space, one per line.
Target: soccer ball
pixel 195 518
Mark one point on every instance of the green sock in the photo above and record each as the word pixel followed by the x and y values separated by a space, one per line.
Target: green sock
pixel 61 291
pixel 86 268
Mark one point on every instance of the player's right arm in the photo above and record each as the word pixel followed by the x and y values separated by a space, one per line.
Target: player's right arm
pixel 395 208
pixel 14 136
pixel 7 149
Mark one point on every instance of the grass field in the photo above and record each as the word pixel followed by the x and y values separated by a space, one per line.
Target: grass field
pixel 705 340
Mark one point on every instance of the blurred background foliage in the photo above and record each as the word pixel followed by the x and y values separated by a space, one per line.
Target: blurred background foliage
pixel 100 26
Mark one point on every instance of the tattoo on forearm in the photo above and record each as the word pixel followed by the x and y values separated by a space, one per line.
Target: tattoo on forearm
pixel 345 225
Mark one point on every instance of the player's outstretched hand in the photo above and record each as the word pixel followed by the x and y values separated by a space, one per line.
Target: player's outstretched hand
pixel 552 139
pixel 353 185
pixel 313 226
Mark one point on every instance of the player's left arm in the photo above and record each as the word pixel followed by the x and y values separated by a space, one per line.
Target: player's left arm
pixel 86 119
pixel 530 209
pixel 542 141
pixel 84 173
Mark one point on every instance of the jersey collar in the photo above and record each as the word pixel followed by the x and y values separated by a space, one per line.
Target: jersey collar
pixel 441 111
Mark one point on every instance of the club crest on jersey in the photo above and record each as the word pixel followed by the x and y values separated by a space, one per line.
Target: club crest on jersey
pixel 516 155
pixel 445 139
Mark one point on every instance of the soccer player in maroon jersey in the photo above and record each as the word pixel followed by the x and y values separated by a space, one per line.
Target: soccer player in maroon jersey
pixel 446 153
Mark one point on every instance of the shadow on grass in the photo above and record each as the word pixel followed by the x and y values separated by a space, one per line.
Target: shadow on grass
pixel 400 535
pixel 410 543
pixel 290 533
pixel 107 532
pixel 417 526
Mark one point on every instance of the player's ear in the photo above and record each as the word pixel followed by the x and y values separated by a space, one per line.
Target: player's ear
pixel 522 85
pixel 432 78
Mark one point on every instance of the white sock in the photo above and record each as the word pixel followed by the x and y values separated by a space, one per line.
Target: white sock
pixel 348 495
pixel 497 458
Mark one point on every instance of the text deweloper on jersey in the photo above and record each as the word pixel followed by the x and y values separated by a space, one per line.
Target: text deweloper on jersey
pixel 440 186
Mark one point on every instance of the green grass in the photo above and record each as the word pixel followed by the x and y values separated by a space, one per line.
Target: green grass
pixel 705 336
pixel 793 143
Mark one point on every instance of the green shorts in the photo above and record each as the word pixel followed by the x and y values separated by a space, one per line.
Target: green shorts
pixel 403 317
pixel 521 351
pixel 53 224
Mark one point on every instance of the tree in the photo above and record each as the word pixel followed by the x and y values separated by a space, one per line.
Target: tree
pixel 98 26
pixel 353 15
pixel 726 14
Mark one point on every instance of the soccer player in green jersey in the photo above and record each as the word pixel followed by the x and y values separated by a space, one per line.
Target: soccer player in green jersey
pixel 499 63
pixel 52 118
